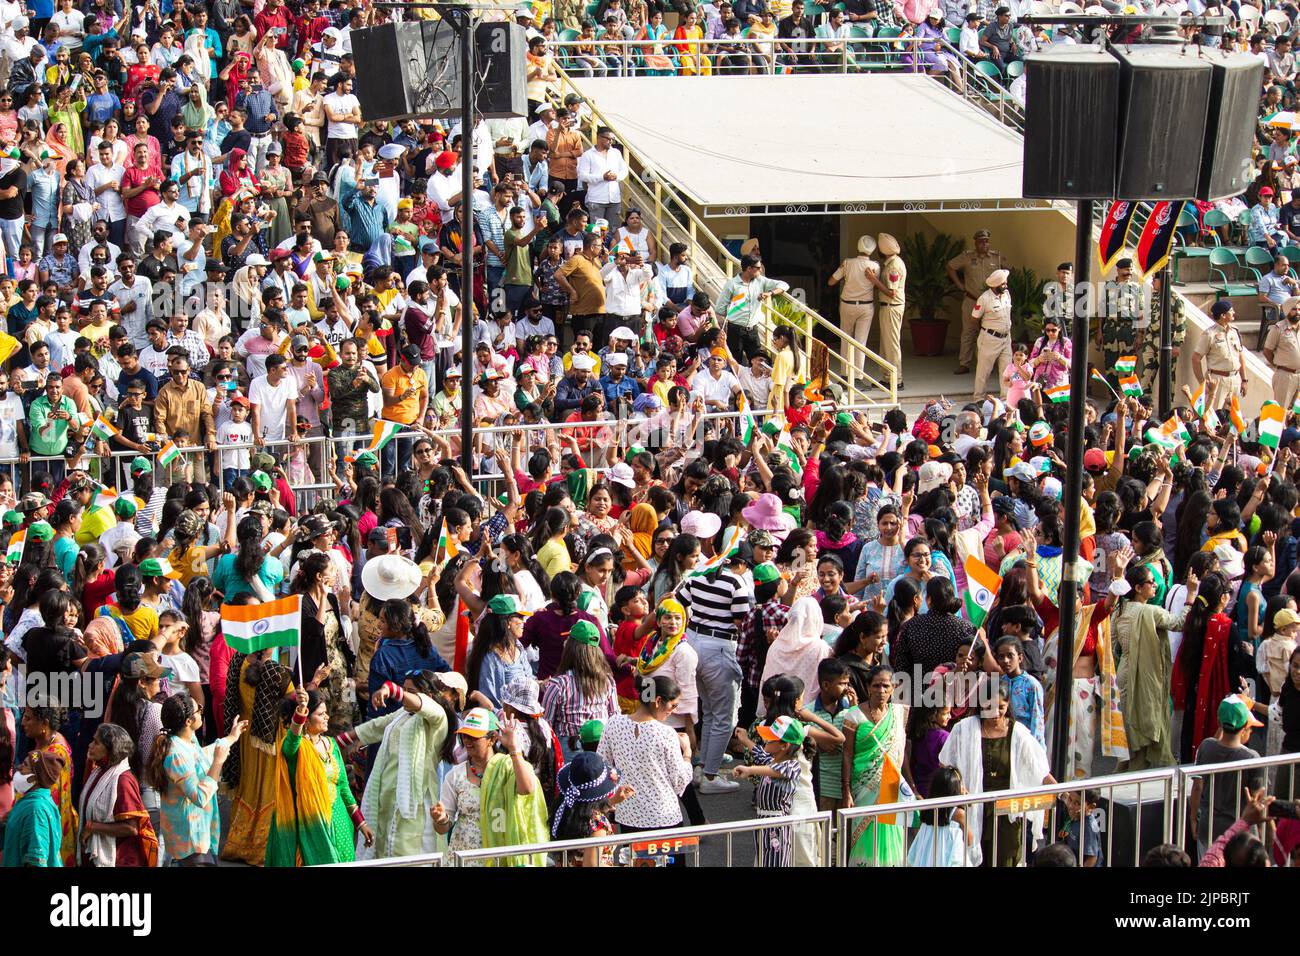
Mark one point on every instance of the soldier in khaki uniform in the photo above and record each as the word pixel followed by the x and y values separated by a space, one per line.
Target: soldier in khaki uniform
pixel 993 312
pixel 861 278
pixel 968 273
pixel 1221 358
pixel 893 279
pixel 1282 351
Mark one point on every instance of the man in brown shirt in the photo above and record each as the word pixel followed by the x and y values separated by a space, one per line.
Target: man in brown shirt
pixel 565 145
pixel 323 210
pixel 182 405
pixel 582 282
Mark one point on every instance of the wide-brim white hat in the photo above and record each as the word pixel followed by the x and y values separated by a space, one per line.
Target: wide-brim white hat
pixel 390 576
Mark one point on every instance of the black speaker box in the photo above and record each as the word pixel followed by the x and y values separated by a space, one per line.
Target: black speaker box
pixel 1071 118
pixel 503 91
pixel 1235 82
pixel 1164 100
pixel 408 69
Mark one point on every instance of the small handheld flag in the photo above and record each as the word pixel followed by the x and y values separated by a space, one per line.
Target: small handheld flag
pixel 1098 377
pixel 982 584
pixel 384 433
pixel 14 554
pixel 737 304
pixel 1271 418
pixel 1234 417
pixel 1058 393
pixel 1131 386
pixel 1126 365
pixel 249 628
pixel 103 429
pixel 106 497
pixel 168 453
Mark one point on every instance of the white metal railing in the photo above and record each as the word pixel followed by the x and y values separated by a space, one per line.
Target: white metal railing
pixel 1171 785
pixel 1027 799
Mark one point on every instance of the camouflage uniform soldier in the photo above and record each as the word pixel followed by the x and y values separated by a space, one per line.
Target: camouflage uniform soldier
pixel 1149 357
pixel 1124 325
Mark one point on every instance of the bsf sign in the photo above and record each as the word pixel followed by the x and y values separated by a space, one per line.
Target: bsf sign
pixel 654 850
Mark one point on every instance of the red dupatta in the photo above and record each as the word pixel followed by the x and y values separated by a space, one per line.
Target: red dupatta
pixel 1212 685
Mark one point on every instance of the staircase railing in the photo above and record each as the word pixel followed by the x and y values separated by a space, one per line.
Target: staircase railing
pixel 713 264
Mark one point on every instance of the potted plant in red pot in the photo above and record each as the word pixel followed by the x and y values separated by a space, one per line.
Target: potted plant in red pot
pixel 927 288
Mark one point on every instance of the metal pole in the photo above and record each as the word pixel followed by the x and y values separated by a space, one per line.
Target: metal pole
pixel 1073 488
pixel 1166 388
pixel 465 27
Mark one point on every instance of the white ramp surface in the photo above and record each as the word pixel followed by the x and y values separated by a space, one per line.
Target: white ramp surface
pixel 742 140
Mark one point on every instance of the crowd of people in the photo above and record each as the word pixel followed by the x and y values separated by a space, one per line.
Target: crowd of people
pixel 637 601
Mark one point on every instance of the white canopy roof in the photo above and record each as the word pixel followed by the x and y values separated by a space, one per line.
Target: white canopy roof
pixel 764 140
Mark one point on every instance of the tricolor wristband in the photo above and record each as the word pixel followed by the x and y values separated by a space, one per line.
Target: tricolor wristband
pixel 394 691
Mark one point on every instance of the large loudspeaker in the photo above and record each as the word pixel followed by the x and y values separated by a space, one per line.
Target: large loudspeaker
pixel 1164 100
pixel 1072 97
pixel 407 69
pixel 1226 169
pixel 502 48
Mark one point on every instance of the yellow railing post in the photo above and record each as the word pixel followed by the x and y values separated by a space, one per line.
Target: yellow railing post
pixel 659 220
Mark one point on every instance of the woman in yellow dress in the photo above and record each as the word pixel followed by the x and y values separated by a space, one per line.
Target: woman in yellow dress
pixel 785 368
pixel 691 55
pixel 255 691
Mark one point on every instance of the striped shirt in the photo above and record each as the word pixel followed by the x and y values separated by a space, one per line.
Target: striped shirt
pixel 715 604
pixel 567 709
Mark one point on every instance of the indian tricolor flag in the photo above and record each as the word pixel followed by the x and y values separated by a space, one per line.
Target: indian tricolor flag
pixel 1126 365
pixel 748 424
pixel 1130 386
pixel 737 304
pixel 1177 431
pixel 16 541
pixel 106 497
pixel 1058 393
pixel 1271 418
pixel 447 545
pixel 103 429
pixel 1198 401
pixel 982 584
pixel 383 434
pixel 168 453
pixel 785 446
pixel 1235 417
pixel 1099 378
pixel 255 627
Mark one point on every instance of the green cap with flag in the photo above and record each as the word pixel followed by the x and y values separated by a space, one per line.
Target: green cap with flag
pixel 591 731
pixel 40 531
pixel 141 465
pixel 765 572
pixel 1234 713
pixel 785 729
pixel 125 507
pixel 584 632
pixel 368 459
pixel 13 519
pixel 261 480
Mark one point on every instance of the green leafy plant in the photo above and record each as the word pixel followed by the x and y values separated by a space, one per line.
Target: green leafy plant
pixel 927 277
pixel 1026 290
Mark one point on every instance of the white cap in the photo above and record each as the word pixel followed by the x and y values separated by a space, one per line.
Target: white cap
pixel 623 333
pixel 391 150
pixel 616 358
pixel 932 475
pixel 19 23
pixel 583 362
pixel 58 237
pixel 256 259
pixel 702 524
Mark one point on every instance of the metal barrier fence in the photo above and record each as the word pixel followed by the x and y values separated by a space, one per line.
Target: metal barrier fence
pixel 1016 804
pixel 1206 778
pixel 1134 812
pixel 112 472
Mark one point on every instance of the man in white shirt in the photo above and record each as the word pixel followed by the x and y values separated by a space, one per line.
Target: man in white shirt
pixel 167 215
pixel 545 123
pixel 192 169
pixel 969 435
pixel 343 121
pixel 969 41
pixel 624 278
pixel 600 170
pixel 715 384
pixel 482 147
pixel 273 398
pixel 153 356
pixel 134 294
pixel 105 181
pixel 99 237
pixel 190 256
pixel 531 322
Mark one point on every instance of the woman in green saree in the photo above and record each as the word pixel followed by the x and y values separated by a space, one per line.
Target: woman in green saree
pixel 316 818
pixel 874 740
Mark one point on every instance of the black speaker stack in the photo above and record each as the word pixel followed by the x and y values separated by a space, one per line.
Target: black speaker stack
pixel 1141 122
pixel 412 70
